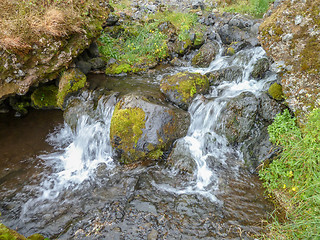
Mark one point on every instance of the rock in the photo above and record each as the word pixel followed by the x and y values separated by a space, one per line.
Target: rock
pixel 228 74
pixel 291 35
pixel 238 117
pixel 142 129
pixel 241 22
pixel 20 104
pixel 72 80
pixel 180 157
pixel 269 108
pixel 111 20
pixel 182 87
pixel 36 236
pixel 235 47
pixel 84 66
pixel 153 235
pixel 231 34
pixel 260 68
pixel 75 109
pixel 97 63
pixel 275 91
pixel 43 60
pixel 93 50
pixel 207 53
pixel 45 97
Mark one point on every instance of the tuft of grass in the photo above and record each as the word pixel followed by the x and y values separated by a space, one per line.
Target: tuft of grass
pixel 25 22
pixel 255 8
pixel 294 178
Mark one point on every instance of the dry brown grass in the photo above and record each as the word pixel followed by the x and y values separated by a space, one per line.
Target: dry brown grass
pixel 24 22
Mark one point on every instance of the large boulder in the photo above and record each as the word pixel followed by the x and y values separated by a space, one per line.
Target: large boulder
pixel 260 68
pixel 291 36
pixel 207 53
pixel 182 87
pixel 143 129
pixel 232 33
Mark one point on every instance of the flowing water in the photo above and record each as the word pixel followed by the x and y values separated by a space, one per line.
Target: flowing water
pixel 75 190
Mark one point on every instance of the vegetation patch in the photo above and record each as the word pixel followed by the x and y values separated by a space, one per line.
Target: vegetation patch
pixel 294 178
pixel 255 8
pixel 141 45
pixel 24 23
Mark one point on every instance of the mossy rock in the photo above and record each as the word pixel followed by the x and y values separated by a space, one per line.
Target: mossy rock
pixel 9 234
pixel 45 97
pixel 37 236
pixel 141 129
pixel 71 82
pixel 182 87
pixel 275 91
pixel 207 53
pixel 20 104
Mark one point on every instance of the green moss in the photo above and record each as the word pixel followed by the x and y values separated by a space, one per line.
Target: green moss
pixel 155 154
pixel 70 82
pixel 275 91
pixel 37 236
pixel 125 131
pixel 45 97
pixel 199 39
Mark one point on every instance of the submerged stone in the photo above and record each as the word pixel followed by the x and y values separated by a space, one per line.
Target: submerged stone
pixel 142 129
pixel 182 87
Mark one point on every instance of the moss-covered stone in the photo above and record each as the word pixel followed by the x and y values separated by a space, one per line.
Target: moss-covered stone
pixel 45 97
pixel 206 55
pixel 143 128
pixel 37 236
pixel 71 81
pixel 275 91
pixel 182 87
pixel 125 131
pixel 20 104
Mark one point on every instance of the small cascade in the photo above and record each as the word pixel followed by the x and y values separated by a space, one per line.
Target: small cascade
pixel 205 145
pixel 79 152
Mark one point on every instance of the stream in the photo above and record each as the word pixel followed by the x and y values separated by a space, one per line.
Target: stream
pixel 63 182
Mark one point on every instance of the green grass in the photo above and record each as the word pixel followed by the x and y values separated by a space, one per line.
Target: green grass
pixel 138 43
pixel 256 8
pixel 294 178
pixel 135 45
